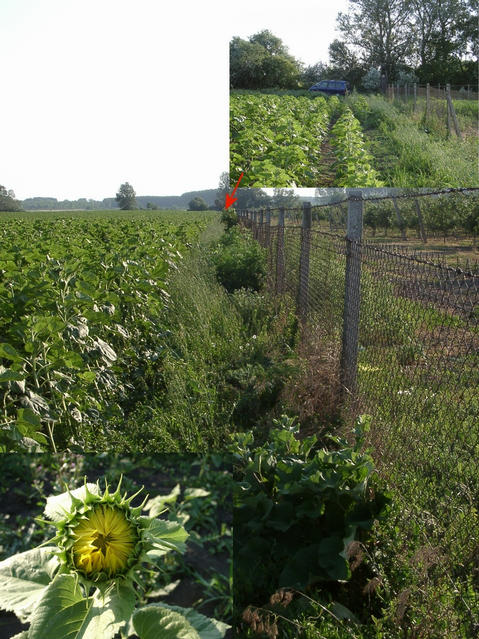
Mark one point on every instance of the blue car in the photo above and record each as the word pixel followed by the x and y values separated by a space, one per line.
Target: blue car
pixel 331 87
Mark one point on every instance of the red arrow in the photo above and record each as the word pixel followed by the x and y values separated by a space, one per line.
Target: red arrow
pixel 229 198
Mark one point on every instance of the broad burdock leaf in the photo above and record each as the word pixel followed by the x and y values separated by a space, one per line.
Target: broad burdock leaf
pixel 24 578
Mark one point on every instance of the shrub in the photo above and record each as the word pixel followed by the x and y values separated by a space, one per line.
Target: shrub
pixel 298 509
pixel 240 261
pixel 229 218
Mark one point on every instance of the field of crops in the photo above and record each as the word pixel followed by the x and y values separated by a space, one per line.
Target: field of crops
pixel 82 296
pixel 298 140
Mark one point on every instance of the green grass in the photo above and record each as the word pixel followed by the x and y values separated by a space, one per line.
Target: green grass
pixel 413 152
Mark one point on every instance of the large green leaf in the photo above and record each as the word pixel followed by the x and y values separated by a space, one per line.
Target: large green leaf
pixel 158 622
pixel 156 505
pixel 164 536
pixel 207 628
pixel 61 611
pixel 24 578
pixel 7 375
pixel 8 352
pixel 64 612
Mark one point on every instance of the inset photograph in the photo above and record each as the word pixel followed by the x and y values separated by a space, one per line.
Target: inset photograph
pixel 362 94
pixel 355 512
pixel 115 547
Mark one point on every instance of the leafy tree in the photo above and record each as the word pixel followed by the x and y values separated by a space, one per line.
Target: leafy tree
pixel 313 73
pixel 252 199
pixel 286 198
pixel 8 201
pixel 446 32
pixel 197 204
pixel 381 30
pixel 126 197
pixel 372 79
pixel 262 62
pixel 223 189
pixel 439 40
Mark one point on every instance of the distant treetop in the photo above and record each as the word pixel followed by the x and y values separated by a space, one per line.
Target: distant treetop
pixel 126 197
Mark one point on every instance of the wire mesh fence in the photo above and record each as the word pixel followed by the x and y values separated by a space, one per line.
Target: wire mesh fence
pixel 405 330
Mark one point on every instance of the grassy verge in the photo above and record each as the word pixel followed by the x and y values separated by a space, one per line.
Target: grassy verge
pixel 223 365
pixel 410 152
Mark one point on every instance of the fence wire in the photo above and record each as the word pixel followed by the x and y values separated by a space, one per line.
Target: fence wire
pixel 417 373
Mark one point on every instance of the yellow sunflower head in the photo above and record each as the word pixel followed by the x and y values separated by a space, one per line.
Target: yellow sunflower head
pixel 104 540
pixel 101 537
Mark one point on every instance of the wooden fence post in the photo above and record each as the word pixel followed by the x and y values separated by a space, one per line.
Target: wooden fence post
pixel 352 295
pixel 452 111
pixel 303 293
pixel 280 253
pixel 260 228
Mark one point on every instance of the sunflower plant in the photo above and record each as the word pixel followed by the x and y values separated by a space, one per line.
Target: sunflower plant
pixel 87 581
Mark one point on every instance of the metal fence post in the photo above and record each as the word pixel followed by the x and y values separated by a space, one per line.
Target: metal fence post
pixel 400 220
pixel 255 225
pixel 280 253
pixel 428 99
pixel 303 293
pixel 260 228
pixel 422 229
pixel 350 340
pixel 267 229
pixel 415 97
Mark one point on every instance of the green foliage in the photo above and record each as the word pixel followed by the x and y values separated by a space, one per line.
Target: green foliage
pixel 279 141
pixel 82 304
pixel 298 508
pixel 8 201
pixel 240 261
pixel 197 204
pixel 260 125
pixel 126 197
pixel 262 61
pixel 229 218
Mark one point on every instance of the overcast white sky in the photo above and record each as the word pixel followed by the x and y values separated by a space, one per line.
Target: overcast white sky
pixel 99 92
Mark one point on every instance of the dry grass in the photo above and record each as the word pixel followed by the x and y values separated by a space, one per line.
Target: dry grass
pixel 314 393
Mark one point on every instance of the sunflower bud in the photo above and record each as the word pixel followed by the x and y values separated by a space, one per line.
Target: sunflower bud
pixel 102 537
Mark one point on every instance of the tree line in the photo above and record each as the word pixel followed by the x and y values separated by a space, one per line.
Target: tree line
pixel 397 40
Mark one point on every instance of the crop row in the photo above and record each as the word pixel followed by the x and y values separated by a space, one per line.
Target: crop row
pixel 353 162
pixel 278 141
pixel 81 304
